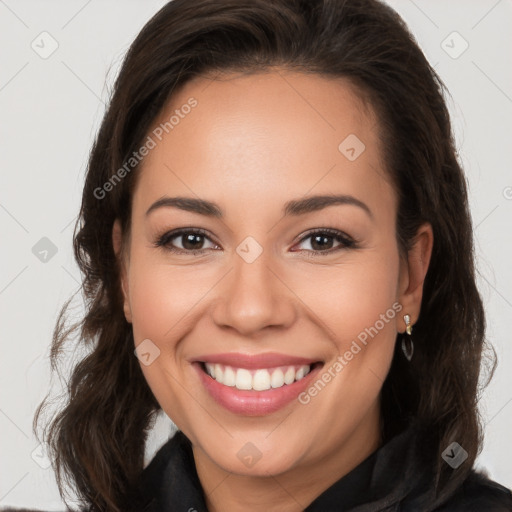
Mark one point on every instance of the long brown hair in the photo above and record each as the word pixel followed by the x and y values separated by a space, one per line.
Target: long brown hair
pixel 98 438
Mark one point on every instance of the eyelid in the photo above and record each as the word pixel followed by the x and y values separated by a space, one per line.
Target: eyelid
pixel 345 240
pixel 163 241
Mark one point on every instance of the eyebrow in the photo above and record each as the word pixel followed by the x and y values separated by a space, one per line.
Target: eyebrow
pixel 294 207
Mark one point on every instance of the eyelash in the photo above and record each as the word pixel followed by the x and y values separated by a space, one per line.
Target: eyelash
pixel 346 242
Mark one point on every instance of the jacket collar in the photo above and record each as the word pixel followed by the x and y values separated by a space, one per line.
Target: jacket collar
pixel 388 480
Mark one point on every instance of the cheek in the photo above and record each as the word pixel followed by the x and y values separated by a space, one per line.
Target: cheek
pixel 351 298
pixel 367 294
pixel 357 302
pixel 165 301
pixel 162 296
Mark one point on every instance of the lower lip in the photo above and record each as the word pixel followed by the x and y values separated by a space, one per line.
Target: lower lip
pixel 254 403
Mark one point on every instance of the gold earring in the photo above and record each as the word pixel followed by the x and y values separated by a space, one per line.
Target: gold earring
pixel 408 326
pixel 407 344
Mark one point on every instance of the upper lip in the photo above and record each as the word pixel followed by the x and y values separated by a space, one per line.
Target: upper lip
pixel 266 360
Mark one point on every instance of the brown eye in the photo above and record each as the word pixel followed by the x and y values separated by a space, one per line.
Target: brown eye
pixel 191 241
pixel 323 241
pixel 185 241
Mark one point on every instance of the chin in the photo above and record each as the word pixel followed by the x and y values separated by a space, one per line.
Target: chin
pixel 271 463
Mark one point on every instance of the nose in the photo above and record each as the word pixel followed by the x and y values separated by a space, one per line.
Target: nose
pixel 253 296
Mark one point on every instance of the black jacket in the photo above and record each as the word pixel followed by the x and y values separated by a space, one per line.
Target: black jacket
pixel 392 479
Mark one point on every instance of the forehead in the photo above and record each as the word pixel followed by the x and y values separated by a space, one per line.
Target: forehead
pixel 262 137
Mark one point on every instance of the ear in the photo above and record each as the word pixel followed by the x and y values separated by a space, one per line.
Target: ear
pixel 117 239
pixel 413 272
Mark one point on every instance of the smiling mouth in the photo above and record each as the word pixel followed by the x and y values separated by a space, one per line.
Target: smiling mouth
pixel 257 379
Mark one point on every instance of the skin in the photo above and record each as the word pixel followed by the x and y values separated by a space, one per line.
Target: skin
pixel 253 143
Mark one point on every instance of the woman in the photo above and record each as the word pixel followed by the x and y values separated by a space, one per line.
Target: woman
pixel 277 252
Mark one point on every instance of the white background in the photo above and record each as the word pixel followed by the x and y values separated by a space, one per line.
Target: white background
pixel 50 111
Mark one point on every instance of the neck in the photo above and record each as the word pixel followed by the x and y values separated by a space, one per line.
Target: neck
pixel 294 489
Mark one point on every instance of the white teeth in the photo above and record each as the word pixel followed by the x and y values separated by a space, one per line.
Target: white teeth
pixel 277 379
pixel 289 376
pixel 218 372
pixel 210 369
pixel 243 379
pixel 261 380
pixel 257 380
pixel 229 377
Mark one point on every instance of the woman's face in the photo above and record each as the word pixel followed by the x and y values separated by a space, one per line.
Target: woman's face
pixel 293 301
